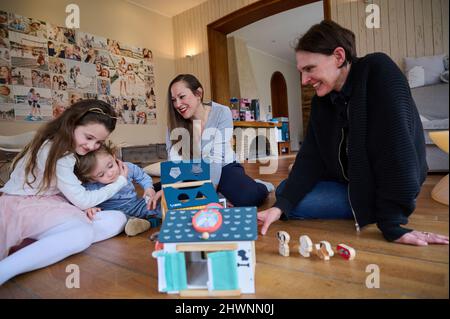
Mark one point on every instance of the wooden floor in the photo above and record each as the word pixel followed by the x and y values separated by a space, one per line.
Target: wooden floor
pixel 122 267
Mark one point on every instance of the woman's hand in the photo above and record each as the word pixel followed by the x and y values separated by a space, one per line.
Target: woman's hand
pixel 123 168
pixel 90 212
pixel 418 238
pixel 149 193
pixel 267 217
pixel 155 199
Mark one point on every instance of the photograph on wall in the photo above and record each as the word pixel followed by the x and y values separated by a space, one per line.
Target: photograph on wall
pixel 5 74
pixel 3 18
pixel 44 68
pixel 6 103
pixel 57 66
pixel 28 26
pixel 4 42
pixel 28 51
pixel 60 102
pixel 21 76
pixel 59 82
pixel 32 104
pixel 5 57
pixel 130 77
pixel 60 34
pixel 40 79
pixel 87 40
pixel 81 76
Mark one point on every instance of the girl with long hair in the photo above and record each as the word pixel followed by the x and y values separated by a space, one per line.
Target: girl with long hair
pixel 44 200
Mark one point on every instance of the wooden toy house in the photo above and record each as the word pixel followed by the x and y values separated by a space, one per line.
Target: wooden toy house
pixel 222 263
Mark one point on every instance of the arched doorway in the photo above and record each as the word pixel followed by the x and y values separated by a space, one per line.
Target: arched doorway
pixel 278 90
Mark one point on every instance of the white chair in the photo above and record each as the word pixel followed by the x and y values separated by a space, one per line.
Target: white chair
pixel 10 146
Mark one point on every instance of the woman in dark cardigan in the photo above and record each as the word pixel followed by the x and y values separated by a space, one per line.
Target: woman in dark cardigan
pixel 363 157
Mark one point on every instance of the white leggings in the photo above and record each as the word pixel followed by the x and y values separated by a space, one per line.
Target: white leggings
pixel 59 242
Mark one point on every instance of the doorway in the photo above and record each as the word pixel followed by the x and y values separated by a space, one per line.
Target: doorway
pixel 217 38
pixel 278 90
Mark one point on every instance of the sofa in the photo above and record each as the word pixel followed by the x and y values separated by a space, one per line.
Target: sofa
pixel 432 102
pixel 428 79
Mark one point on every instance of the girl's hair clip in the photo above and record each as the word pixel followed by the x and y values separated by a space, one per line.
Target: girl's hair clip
pixel 100 111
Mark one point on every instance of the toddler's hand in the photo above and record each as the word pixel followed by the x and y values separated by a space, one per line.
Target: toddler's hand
pixel 90 212
pixel 156 198
pixel 123 168
pixel 149 193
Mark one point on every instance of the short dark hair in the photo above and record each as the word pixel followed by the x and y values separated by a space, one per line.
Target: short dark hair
pixel 325 37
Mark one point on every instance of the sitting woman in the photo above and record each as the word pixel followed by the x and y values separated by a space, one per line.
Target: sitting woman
pixel 209 129
pixel 363 157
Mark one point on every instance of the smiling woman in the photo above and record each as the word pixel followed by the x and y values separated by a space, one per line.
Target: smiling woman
pixel 201 131
pixel 363 157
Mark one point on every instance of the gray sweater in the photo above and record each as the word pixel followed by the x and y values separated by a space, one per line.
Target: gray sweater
pixel 215 145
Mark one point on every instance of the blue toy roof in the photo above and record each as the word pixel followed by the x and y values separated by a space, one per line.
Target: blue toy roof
pixel 174 172
pixel 238 224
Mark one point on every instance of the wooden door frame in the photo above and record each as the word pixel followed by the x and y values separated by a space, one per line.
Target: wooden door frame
pixel 217 38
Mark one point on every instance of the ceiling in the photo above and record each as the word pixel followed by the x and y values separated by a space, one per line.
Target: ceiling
pixel 276 35
pixel 168 8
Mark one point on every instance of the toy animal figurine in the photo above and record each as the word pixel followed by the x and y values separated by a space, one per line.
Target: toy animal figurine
pixel 324 250
pixel 283 239
pixel 346 252
pixel 306 246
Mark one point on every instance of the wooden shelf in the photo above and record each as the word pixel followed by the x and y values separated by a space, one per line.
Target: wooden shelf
pixel 256 124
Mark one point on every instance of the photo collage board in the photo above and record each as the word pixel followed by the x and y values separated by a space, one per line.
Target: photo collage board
pixel 45 68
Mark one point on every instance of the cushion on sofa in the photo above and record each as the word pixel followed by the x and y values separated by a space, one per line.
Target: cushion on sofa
pixel 432 101
pixel 432 67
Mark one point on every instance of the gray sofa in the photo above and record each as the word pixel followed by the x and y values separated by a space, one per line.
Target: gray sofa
pixel 432 102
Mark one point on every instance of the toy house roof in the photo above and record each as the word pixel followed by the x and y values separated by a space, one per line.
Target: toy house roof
pixel 238 224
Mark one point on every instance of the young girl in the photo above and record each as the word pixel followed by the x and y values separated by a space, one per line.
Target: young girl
pixel 100 168
pixel 43 200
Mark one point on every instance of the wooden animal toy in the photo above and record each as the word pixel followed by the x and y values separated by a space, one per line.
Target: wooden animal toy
pixel 306 246
pixel 324 250
pixel 346 252
pixel 283 240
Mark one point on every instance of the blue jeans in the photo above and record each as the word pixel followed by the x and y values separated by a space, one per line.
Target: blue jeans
pixel 138 209
pixel 239 188
pixel 327 200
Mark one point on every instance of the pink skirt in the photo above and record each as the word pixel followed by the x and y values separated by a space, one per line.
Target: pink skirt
pixel 29 216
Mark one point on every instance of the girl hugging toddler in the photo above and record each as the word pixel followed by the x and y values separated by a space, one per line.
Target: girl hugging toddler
pixel 100 168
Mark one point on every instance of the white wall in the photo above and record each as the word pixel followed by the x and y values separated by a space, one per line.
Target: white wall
pixel 118 20
pixel 264 65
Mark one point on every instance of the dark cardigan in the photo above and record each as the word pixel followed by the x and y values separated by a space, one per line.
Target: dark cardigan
pixel 386 148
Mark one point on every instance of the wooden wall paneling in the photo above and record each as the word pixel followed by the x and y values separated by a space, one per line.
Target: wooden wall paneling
pixel 362 29
pixel 369 33
pixel 354 23
pixel 384 27
pixel 418 18
pixel 340 13
pixel 427 27
pixel 409 24
pixel 401 31
pixel 445 24
pixel 393 32
pixel 377 34
pixel 333 9
pixel 437 26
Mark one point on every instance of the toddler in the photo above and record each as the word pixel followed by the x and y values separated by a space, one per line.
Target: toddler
pixel 100 168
